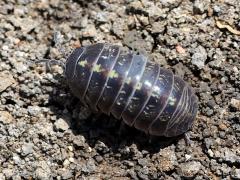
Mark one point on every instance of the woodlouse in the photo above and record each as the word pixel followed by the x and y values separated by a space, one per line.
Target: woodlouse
pixel 127 85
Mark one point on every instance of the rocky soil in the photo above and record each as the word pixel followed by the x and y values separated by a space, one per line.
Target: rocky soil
pixel 45 133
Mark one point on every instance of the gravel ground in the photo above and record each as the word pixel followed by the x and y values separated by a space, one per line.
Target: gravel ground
pixel 45 133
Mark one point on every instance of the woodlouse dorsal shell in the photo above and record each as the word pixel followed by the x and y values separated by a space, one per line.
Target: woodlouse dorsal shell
pixel 143 94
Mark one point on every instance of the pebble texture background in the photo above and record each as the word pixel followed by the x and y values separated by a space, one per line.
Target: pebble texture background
pixel 45 133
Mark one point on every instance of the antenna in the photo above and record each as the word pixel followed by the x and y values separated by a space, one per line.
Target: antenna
pixel 58 41
pixel 50 62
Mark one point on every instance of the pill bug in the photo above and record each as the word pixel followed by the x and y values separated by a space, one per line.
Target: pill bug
pixel 131 88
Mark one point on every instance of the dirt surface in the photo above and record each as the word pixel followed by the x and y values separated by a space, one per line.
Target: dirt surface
pixel 45 133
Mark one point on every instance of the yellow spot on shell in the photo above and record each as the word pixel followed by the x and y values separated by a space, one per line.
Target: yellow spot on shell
pixel 139 86
pixel 128 81
pixel 113 74
pixel 97 68
pixel 172 101
pixel 82 63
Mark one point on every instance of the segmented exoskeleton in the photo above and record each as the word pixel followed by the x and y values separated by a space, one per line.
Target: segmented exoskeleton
pixel 128 86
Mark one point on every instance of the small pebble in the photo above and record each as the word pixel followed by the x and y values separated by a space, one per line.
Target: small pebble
pixel 199 57
pixel 27 148
pixel 187 157
pixel 200 6
pixel 235 174
pixel 89 31
pixel 43 171
pixel 6 80
pixel 5 117
pixel 235 103
pixel 167 160
pixel 190 169
pixel 61 125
